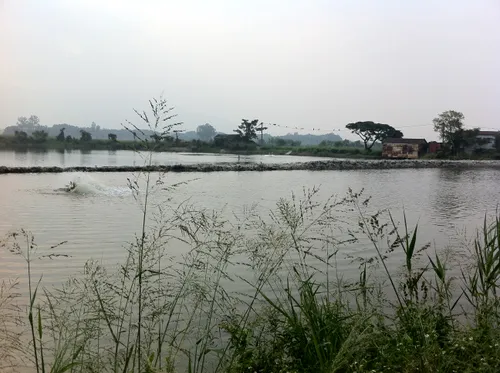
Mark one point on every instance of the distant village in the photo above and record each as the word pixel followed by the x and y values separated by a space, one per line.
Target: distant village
pixel 416 148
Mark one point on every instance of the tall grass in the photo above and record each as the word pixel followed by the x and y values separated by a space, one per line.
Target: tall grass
pixel 10 338
pixel 262 292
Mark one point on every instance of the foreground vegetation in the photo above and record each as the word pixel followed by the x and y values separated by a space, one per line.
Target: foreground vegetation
pixel 261 293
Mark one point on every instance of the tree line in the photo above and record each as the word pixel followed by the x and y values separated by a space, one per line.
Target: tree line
pixel 29 129
pixel 449 125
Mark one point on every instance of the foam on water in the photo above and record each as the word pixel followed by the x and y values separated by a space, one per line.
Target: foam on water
pixel 86 184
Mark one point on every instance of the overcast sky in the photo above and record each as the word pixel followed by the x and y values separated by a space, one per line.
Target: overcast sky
pixel 311 63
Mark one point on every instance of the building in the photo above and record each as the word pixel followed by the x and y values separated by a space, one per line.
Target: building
pixel 403 148
pixel 486 139
pixel 434 146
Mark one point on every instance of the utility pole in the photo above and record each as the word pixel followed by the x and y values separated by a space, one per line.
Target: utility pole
pixel 177 135
pixel 261 129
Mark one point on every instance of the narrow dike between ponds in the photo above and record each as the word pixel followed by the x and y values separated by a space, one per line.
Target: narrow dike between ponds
pixel 224 167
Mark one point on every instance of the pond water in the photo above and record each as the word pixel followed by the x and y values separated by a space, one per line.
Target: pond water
pixel 98 220
pixel 100 216
pixel 73 158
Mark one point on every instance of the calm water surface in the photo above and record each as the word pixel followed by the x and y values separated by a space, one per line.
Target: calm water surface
pixel 129 158
pixel 98 221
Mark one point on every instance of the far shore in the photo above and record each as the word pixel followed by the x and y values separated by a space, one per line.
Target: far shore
pixel 330 165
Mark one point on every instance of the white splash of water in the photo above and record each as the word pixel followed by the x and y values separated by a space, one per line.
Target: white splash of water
pixel 86 184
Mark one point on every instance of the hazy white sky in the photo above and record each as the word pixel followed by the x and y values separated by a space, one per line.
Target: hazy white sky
pixel 310 63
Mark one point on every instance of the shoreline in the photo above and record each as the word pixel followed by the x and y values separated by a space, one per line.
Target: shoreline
pixel 330 165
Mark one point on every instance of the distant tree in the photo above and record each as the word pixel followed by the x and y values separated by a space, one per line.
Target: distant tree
pixel 61 136
pixel 85 136
pixel 248 130
pixel 40 136
pixel 28 123
pixel 94 127
pixel 169 139
pixel 69 138
pixel 466 138
pixel 112 137
pixel 280 142
pixel 447 124
pixel 206 132
pixel 371 132
pixel 21 136
pixel 157 138
pixel 329 143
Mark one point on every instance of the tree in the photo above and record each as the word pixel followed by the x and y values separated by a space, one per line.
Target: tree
pixel 447 124
pixel 206 132
pixel 61 136
pixel 467 138
pixel 40 136
pixel 497 143
pixel 28 123
pixel 85 136
pixel 157 138
pixel 94 127
pixel 248 130
pixel 371 132
pixel 112 137
pixel 21 136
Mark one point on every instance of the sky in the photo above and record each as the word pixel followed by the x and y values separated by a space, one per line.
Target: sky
pixel 312 64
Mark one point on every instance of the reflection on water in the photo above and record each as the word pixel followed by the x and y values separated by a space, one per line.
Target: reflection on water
pixel 86 157
pixel 460 194
pixel 447 198
pixel 20 156
pixel 35 157
pixel 62 157
pixel 74 158
pixel 112 158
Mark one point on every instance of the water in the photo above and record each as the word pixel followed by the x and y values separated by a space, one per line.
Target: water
pixel 100 216
pixel 129 158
